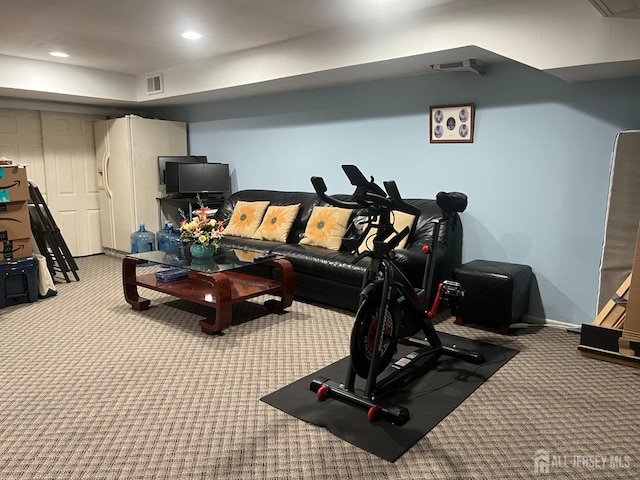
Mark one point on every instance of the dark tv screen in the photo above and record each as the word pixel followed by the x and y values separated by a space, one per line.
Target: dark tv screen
pixel 192 178
pixel 164 159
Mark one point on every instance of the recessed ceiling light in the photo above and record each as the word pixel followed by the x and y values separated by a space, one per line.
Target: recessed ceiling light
pixel 191 35
pixel 59 54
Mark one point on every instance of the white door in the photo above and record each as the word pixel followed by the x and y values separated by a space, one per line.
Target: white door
pixel 71 179
pixel 21 140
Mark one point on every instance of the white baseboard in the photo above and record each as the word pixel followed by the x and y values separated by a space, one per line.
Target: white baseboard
pixel 548 322
pixel 112 252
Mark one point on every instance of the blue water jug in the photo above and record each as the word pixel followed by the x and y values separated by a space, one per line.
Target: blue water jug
pixel 173 237
pixel 162 237
pixel 168 238
pixel 142 240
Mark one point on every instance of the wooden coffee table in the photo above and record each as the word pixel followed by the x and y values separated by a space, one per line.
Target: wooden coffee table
pixel 218 283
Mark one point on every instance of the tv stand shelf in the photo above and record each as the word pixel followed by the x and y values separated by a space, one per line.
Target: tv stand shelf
pixel 217 199
pixel 169 206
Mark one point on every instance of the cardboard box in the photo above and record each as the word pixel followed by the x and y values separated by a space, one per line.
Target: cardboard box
pixel 14 186
pixel 14 249
pixel 606 339
pixel 632 318
pixel 14 221
pixel 607 344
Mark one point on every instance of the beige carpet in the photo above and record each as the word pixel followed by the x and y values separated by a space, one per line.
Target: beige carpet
pixel 90 389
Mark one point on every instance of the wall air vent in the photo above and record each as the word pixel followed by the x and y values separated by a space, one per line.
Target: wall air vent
pixel 154 84
pixel 471 66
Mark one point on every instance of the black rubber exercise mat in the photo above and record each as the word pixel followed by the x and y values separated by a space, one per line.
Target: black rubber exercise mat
pixel 429 400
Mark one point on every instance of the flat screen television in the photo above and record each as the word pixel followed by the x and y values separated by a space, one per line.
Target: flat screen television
pixel 164 159
pixel 192 178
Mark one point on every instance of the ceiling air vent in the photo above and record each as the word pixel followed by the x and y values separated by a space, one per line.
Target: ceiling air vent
pixel 154 84
pixel 471 66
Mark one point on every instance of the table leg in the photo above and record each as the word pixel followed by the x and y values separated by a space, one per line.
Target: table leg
pixel 222 295
pixel 129 286
pixel 286 291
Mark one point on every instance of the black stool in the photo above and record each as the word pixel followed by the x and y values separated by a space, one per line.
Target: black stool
pixel 18 281
pixel 496 294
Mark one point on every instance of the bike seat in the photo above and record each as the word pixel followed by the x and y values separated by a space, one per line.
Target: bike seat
pixel 450 202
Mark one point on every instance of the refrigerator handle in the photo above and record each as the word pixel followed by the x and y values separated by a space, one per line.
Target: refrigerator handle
pixel 107 185
pixel 106 161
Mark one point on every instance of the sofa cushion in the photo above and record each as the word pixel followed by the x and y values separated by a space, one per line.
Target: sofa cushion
pixel 246 218
pixel 232 243
pixel 277 222
pixel 326 227
pixel 323 263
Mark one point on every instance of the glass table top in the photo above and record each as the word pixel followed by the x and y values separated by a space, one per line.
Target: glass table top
pixel 223 260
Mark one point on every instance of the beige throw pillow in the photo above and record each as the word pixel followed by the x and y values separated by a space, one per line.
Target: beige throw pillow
pixel 277 222
pixel 326 227
pixel 245 218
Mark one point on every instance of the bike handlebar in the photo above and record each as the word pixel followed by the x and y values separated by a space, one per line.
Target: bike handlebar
pixel 321 189
pixel 396 198
pixel 368 194
pixel 357 179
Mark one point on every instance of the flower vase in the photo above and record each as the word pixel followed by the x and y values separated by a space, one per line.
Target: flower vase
pixel 200 251
pixel 207 265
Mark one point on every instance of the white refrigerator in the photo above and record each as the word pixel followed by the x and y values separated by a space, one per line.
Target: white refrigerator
pixel 127 151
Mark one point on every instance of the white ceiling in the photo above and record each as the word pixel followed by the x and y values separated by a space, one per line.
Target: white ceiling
pixel 137 36
pixel 262 46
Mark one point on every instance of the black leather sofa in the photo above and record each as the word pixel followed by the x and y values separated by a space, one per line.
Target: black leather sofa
pixel 330 277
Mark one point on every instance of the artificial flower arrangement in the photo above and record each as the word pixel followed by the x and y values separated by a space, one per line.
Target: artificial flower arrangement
pixel 201 230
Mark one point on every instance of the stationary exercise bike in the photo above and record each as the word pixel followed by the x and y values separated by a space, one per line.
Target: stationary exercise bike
pixel 391 311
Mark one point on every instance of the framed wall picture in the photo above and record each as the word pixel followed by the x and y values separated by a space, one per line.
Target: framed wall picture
pixel 452 123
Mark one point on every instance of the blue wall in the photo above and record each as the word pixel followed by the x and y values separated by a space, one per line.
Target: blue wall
pixel 536 175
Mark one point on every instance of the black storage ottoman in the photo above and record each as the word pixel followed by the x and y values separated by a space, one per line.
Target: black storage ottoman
pixel 496 294
pixel 18 281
